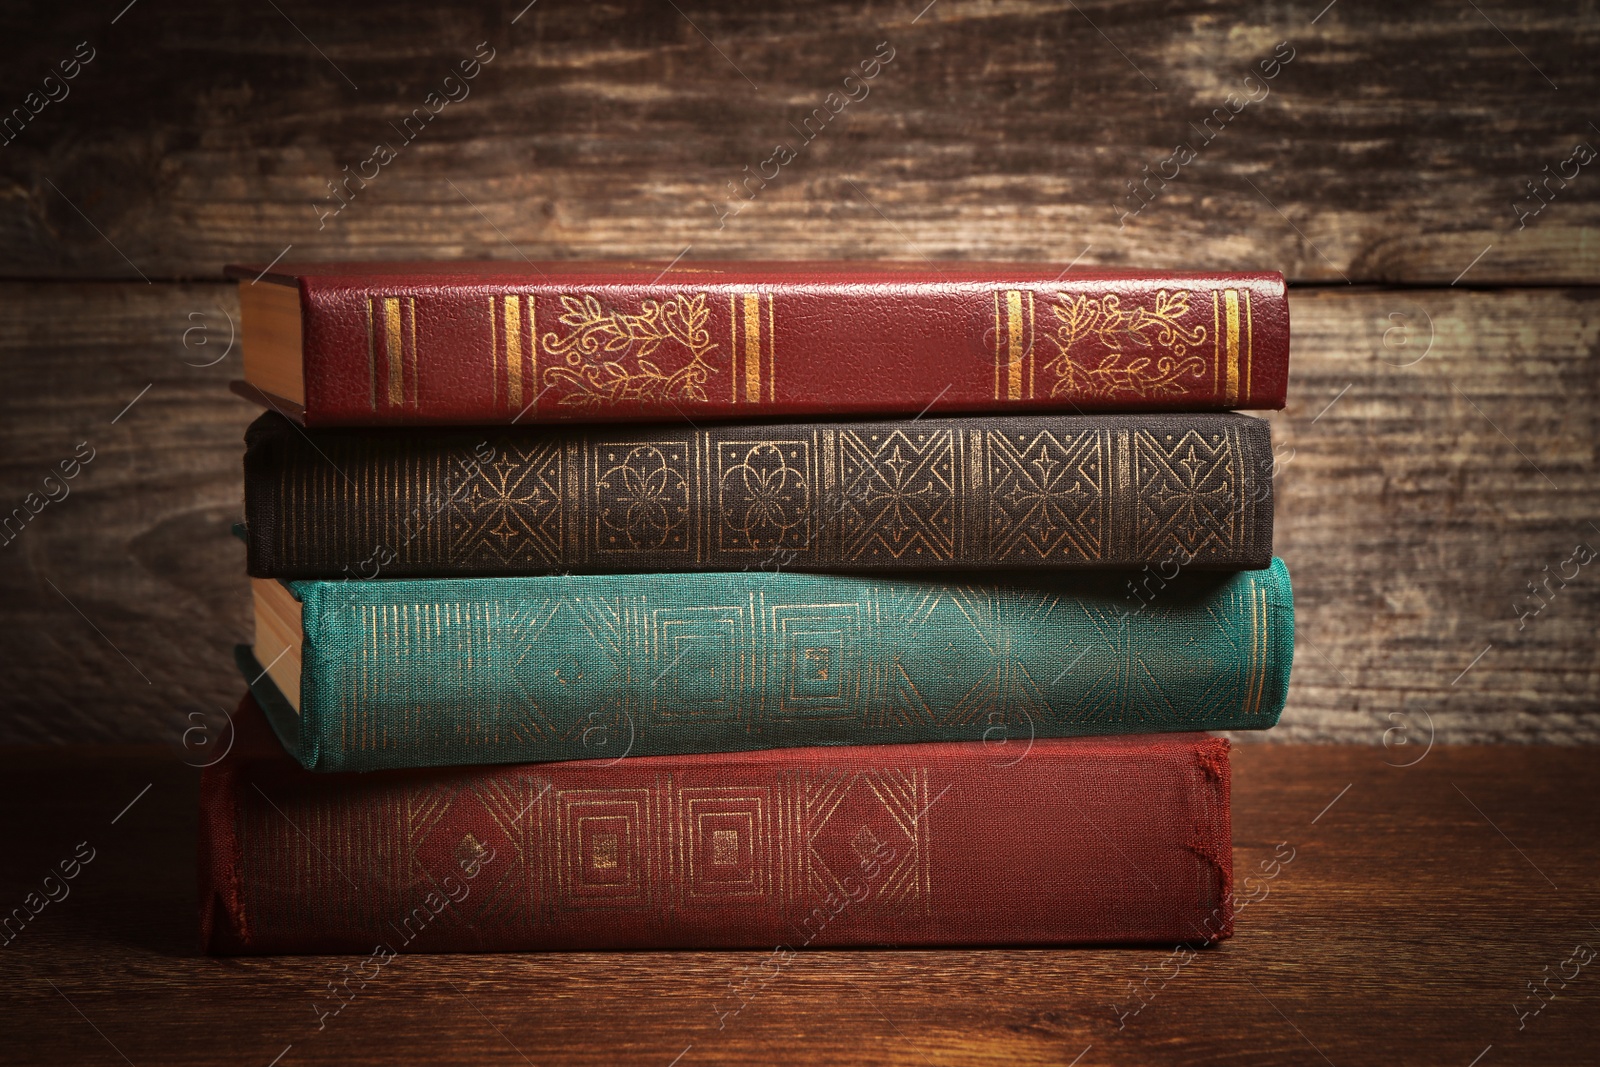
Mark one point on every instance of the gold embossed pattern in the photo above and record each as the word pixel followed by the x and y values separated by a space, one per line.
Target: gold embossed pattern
pixel 541 852
pixel 1107 491
pixel 608 358
pixel 1138 350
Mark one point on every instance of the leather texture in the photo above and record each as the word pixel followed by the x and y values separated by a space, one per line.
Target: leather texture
pixel 1068 491
pixel 1105 840
pixel 406 343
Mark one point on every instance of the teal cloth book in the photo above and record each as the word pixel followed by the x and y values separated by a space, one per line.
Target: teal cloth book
pixel 359 676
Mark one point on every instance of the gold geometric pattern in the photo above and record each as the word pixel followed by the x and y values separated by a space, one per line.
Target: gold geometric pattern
pixel 700 661
pixel 489 857
pixel 1107 491
pixel 603 840
pixel 1190 489
pixel 819 649
pixel 898 493
pixel 510 509
pixel 851 819
pixel 727 842
pixel 1000 688
pixel 1048 496
pixel 683 840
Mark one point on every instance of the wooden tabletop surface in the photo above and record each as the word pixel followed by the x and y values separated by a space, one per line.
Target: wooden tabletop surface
pixel 1410 911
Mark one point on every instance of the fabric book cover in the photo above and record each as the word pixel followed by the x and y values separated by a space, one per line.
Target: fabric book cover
pixel 405 343
pixel 1059 491
pixel 1102 840
pixel 366 675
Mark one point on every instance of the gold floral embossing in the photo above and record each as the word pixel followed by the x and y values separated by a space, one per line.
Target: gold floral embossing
pixel 608 353
pixel 765 497
pixel 644 498
pixel 1121 368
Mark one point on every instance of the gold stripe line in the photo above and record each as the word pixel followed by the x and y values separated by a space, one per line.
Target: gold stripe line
pixel 1258 614
pixel 752 347
pixel 1261 650
pixel 1032 336
pixel 494 358
pixel 1014 344
pixel 513 312
pixel 1216 342
pixel 1250 655
pixel 1126 479
pixel 1266 645
pixel 393 345
pixel 533 353
pixel 1230 300
pixel 772 349
pixel 733 346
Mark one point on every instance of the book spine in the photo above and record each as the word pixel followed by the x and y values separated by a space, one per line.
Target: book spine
pixel 406 353
pixel 423 673
pixel 1051 491
pixel 1108 841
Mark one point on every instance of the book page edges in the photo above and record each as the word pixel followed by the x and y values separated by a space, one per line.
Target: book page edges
pixel 280 636
pixel 270 338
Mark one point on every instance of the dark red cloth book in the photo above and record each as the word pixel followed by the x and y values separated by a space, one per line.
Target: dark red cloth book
pixel 1041 842
pixel 406 343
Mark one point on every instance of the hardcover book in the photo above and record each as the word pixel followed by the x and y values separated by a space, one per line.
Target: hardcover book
pixel 1102 840
pixel 1021 490
pixel 405 343
pixel 367 675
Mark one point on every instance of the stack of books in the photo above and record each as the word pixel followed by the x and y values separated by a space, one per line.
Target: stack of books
pixel 746 605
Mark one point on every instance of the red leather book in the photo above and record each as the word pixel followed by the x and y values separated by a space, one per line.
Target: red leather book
pixel 1098 840
pixel 407 343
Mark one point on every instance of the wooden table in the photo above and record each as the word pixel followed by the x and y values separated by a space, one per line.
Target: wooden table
pixel 1418 906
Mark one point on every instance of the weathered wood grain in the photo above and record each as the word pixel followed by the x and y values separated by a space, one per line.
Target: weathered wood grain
pixel 1437 454
pixel 121 602
pixel 1403 929
pixel 1413 508
pixel 1392 148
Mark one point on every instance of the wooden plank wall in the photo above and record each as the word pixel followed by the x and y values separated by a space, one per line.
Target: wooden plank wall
pixel 1437 451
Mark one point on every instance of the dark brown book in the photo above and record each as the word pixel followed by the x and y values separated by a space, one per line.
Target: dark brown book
pixel 1174 490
